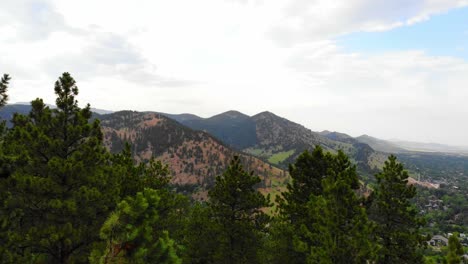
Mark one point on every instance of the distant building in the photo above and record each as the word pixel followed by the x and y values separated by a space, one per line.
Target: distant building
pixel 438 240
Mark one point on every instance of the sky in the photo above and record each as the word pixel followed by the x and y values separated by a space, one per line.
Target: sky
pixel 390 69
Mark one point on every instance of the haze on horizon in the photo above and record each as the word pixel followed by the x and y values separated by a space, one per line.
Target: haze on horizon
pixel 389 69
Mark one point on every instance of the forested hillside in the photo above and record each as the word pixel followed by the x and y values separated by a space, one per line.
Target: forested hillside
pixel 195 158
pixel 113 189
pixel 279 140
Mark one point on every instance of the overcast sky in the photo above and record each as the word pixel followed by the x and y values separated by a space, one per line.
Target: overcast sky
pixel 390 69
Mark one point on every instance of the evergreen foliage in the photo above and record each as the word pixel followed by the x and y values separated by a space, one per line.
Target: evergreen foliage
pixel 342 232
pixel 307 174
pixel 324 218
pixel 131 236
pixel 455 250
pixel 236 207
pixel 66 199
pixel 59 188
pixel 397 222
pixel 201 236
pixel 4 82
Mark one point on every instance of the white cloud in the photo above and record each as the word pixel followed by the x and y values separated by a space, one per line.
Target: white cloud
pixel 406 94
pixel 31 20
pixel 210 56
pixel 310 20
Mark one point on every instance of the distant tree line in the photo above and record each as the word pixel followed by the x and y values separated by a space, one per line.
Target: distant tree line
pixel 66 199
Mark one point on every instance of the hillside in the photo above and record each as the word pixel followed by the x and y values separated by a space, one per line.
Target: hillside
pixel 265 135
pixel 277 139
pixel 232 127
pixel 7 112
pixel 194 157
pixel 381 145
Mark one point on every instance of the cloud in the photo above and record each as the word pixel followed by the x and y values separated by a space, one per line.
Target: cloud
pixel 107 54
pixel 311 20
pixel 212 56
pixel 407 94
pixel 326 65
pixel 32 20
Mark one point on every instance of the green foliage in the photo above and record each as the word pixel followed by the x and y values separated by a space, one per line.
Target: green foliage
pixel 134 178
pixel 455 250
pixel 279 245
pixel 58 189
pixel 153 174
pixel 397 222
pixel 306 174
pixel 3 89
pixel 236 208
pixel 280 157
pixel 201 237
pixel 324 220
pixel 131 236
pixel 342 232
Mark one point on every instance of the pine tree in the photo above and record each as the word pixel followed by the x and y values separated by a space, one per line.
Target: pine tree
pixel 131 233
pixel 133 178
pixel 307 174
pixel 4 82
pixel 455 250
pixel 201 238
pixel 60 186
pixel 4 172
pixel 397 222
pixel 342 232
pixel 236 206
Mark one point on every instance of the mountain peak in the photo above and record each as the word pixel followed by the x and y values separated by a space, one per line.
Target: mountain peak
pixel 265 114
pixel 231 114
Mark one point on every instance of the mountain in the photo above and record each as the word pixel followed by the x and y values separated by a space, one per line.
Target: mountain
pixel 277 139
pixel 429 147
pixel 337 136
pixel 381 145
pixel 181 117
pixel 101 111
pixel 232 127
pixel 7 112
pixel 194 157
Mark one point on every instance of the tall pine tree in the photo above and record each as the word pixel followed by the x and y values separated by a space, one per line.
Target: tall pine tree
pixel 132 235
pixel 307 174
pixel 455 250
pixel 4 82
pixel 397 222
pixel 59 188
pixel 342 231
pixel 236 206
pixel 4 170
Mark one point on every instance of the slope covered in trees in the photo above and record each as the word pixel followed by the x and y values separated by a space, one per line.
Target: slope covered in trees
pixel 65 198
pixel 195 158
pixel 277 139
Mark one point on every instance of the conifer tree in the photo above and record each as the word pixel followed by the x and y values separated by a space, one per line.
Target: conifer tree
pixel 341 232
pixel 4 82
pixel 307 174
pixel 131 235
pixel 236 206
pixel 201 238
pixel 4 171
pixel 455 250
pixel 397 222
pixel 60 186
